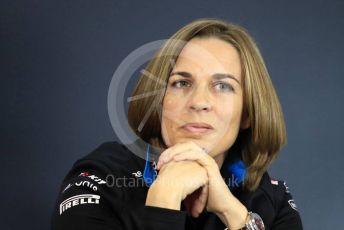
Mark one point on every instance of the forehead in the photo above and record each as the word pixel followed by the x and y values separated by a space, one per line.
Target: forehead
pixel 209 55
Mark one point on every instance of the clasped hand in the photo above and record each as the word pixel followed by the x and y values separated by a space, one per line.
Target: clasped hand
pixel 197 177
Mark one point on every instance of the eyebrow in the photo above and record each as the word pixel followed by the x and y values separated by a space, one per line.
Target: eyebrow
pixel 216 76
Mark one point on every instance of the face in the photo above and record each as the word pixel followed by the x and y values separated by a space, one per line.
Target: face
pixel 204 97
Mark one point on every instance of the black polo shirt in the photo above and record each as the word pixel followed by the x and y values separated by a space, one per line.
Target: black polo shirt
pixel 106 190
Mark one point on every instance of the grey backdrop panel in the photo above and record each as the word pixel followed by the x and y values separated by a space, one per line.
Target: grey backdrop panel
pixel 58 57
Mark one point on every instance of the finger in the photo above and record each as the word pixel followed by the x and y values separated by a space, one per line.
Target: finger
pixel 200 156
pixel 172 155
pixel 192 201
pixel 168 154
pixel 201 202
pixel 177 148
pixel 191 198
pixel 165 155
pixel 202 159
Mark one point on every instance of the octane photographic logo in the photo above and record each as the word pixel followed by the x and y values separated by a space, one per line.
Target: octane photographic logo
pixel 116 97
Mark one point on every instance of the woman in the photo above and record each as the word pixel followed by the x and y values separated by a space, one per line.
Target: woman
pixel 218 127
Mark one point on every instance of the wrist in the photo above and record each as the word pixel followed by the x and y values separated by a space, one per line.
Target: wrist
pixel 235 216
pixel 160 196
pixel 253 222
pixel 236 221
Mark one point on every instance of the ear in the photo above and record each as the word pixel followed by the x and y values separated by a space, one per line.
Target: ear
pixel 245 121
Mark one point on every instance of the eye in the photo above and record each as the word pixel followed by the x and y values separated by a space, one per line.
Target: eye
pixel 180 84
pixel 224 87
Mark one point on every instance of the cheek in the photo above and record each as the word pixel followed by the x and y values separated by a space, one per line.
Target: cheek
pixel 229 113
pixel 170 114
pixel 172 106
pixel 169 102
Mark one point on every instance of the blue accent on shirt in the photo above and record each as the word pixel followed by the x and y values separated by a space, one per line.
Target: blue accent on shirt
pixel 238 172
pixel 149 173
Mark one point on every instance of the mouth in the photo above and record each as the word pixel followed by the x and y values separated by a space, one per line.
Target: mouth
pixel 201 128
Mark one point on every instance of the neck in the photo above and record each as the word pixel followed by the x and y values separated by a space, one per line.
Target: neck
pixel 219 159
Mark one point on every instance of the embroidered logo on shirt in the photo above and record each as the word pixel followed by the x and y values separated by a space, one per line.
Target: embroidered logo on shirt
pixel 93 177
pixel 292 204
pixel 67 187
pixel 154 165
pixel 87 184
pixel 78 200
pixel 83 183
pixel 274 182
pixel 286 187
pixel 137 174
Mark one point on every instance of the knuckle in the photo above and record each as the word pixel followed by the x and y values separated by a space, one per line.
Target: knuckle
pixel 191 144
pixel 212 160
pixel 163 154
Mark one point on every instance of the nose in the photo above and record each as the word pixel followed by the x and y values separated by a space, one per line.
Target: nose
pixel 199 100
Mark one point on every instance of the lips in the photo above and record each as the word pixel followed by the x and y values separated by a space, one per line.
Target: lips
pixel 197 127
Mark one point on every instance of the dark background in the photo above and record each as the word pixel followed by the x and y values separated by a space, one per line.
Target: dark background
pixel 57 59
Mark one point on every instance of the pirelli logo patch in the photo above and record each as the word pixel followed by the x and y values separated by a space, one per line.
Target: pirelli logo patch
pixel 78 200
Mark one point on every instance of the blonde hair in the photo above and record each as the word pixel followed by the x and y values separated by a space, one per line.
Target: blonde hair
pixel 260 143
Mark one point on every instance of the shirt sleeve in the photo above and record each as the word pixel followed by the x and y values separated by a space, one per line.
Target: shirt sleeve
pixel 288 217
pixel 85 201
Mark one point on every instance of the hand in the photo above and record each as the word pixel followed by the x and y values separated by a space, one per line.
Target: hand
pixel 183 178
pixel 189 151
pixel 220 200
pixel 196 201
